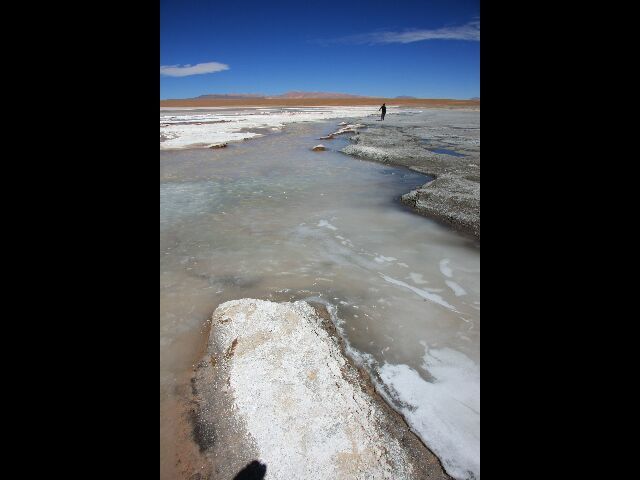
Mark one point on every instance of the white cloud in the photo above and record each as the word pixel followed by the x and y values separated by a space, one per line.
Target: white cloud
pixel 186 70
pixel 469 31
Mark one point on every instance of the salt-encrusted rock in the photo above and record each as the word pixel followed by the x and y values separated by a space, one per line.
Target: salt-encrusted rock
pixel 218 145
pixel 454 196
pixel 348 128
pixel 319 148
pixel 275 385
pixel 450 199
pixel 328 137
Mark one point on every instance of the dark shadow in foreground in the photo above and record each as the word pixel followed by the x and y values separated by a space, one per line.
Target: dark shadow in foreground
pixel 253 471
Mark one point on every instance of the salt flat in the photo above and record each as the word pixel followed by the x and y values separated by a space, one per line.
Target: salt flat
pixel 269 219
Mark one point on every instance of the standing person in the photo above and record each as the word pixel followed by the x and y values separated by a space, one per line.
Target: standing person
pixel 384 110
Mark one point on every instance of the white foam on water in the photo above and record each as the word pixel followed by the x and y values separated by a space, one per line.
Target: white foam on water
pixel 345 241
pixel 445 412
pixel 432 297
pixel 457 289
pixel 444 267
pixel 417 278
pixel 383 259
pixel 325 223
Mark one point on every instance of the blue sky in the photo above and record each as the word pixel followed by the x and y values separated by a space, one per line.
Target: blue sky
pixel 386 48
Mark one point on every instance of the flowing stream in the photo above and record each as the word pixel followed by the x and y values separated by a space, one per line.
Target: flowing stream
pixel 268 218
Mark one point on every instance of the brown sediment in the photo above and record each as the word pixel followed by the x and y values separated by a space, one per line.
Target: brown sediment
pixel 223 444
pixel 184 458
pixel 310 102
pixel 229 353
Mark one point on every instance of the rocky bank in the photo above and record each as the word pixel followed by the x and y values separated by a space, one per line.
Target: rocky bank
pixel 444 144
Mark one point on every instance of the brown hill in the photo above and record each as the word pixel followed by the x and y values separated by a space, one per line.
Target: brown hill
pixel 309 102
pixel 297 94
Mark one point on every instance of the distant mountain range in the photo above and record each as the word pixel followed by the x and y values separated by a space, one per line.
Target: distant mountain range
pixel 292 94
pixel 295 94
pixel 231 95
pixel 300 98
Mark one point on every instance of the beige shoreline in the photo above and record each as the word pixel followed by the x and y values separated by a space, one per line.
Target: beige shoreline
pixel 320 102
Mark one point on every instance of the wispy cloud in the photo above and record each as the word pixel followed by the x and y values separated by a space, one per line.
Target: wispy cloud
pixel 469 31
pixel 186 70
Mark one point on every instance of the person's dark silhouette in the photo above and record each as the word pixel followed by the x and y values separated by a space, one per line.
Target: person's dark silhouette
pixel 253 471
pixel 384 110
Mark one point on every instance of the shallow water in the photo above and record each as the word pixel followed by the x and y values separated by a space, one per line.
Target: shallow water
pixel 447 152
pixel 268 218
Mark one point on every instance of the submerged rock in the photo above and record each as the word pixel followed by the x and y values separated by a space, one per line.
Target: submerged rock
pixel 276 385
pixel 218 145
pixel 319 148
